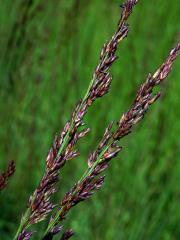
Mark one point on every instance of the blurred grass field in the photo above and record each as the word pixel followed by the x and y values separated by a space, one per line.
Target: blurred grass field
pixel 48 51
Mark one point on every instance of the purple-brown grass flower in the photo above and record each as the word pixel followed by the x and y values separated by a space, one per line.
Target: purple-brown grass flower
pixel 24 235
pixel 5 176
pixel 67 234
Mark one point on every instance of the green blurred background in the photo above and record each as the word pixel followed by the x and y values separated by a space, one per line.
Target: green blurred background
pixel 48 51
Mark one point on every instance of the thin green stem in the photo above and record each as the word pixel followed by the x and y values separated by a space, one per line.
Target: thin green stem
pixel 23 223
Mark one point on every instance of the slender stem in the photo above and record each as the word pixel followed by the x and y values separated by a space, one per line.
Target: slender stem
pixel 88 90
pixel 18 232
pixel 23 223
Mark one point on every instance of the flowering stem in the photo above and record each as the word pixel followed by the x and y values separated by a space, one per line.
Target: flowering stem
pixel 25 218
pixel 105 152
pixel 98 87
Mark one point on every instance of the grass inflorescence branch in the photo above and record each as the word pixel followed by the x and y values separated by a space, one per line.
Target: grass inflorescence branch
pixel 5 176
pixel 63 149
pixel 108 147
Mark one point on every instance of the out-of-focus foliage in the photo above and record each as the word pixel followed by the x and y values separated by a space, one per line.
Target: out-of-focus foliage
pixel 48 51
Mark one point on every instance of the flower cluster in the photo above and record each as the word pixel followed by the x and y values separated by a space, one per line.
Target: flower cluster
pixel 4 177
pixel 64 146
